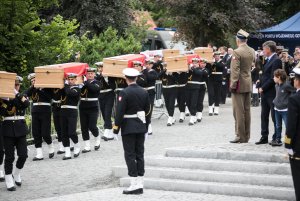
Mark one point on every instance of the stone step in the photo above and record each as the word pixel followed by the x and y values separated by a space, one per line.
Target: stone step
pixel 267 192
pixel 211 176
pixel 219 165
pixel 227 155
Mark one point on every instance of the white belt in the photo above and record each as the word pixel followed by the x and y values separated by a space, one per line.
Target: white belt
pixel 181 85
pixel 119 89
pixel 128 116
pixel 13 118
pixel 194 82
pixel 217 73
pixel 69 107
pixel 41 103
pixel 149 88
pixel 170 86
pixel 105 90
pixel 56 101
pixel 89 99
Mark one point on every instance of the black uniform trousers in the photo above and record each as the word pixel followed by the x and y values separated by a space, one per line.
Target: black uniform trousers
pixel 181 98
pixel 267 107
pixel 41 128
pixel 57 125
pixel 214 92
pixel 224 91
pixel 201 96
pixel 192 99
pixel 170 95
pixel 68 122
pixel 1 148
pixel 295 167
pixel 88 122
pixel 10 143
pixel 106 102
pixel 151 93
pixel 133 145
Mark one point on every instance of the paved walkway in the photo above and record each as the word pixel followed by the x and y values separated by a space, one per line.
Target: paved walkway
pixel 91 172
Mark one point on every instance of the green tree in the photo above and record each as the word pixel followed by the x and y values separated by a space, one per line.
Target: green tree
pixel 107 44
pixel 204 21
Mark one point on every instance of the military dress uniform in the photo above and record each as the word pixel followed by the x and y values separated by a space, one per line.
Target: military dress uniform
pixel 106 102
pixel 132 117
pixel 195 84
pixel 214 86
pixel 158 67
pixel 68 117
pixel 202 91
pixel 241 86
pixel 169 89
pixel 1 150
pixel 292 138
pixel 56 102
pixel 89 112
pixel 151 77
pixel 41 118
pixel 181 93
pixel 14 130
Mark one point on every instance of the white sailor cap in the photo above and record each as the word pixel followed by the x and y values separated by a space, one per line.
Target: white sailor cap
pixel 158 55
pixel 19 79
pixel 31 76
pixel 131 72
pixel 137 63
pixel 99 64
pixel 72 75
pixel 296 70
pixel 241 34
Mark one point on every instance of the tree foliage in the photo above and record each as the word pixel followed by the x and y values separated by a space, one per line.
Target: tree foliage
pixel 204 21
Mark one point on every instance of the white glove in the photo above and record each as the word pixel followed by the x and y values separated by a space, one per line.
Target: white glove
pixel 116 137
pixel 290 152
pixel 66 82
pixel 84 78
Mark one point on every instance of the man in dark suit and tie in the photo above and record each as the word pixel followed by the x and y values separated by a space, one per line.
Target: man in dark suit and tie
pixel 267 89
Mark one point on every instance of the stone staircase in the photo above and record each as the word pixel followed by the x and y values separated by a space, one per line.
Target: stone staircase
pixel 218 171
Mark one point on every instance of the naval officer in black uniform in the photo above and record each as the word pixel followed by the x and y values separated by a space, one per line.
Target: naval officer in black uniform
pixel 14 130
pixel 41 117
pixel 70 96
pixel 132 117
pixel 292 138
pixel 1 151
pixel 106 100
pixel 89 110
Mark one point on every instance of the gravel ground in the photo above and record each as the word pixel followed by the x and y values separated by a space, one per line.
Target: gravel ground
pixel 92 171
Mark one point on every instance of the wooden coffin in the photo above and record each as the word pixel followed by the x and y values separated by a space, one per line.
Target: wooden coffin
pixel 52 76
pixel 113 66
pixel 205 53
pixel 170 52
pixel 176 64
pixel 7 84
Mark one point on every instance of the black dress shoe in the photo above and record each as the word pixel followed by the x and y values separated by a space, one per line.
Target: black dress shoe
pixel 51 155
pixel 134 192
pixel 60 152
pixel 97 147
pixel 76 155
pixel 72 149
pixel 150 133
pixel 169 124
pixel 263 140
pixel 85 151
pixel 199 120
pixel 180 120
pixel 107 139
pixel 11 189
pixel 210 114
pixel 18 183
pixel 37 159
pixel 67 158
pixel 235 141
pixel 2 179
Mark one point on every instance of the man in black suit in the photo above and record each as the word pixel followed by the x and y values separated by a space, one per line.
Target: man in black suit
pixel 266 87
pixel 292 138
